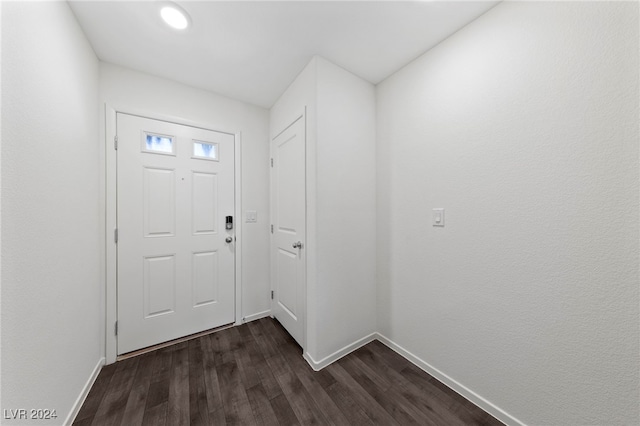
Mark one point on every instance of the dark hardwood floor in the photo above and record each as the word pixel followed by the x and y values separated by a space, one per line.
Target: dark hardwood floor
pixel 255 375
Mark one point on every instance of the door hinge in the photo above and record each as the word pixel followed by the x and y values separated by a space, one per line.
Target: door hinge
pixel 271 294
pixel 115 235
pixel 116 328
pixel 272 162
pixel 272 229
pixel 115 142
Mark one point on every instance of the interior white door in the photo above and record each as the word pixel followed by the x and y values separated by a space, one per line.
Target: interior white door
pixel 288 200
pixel 176 260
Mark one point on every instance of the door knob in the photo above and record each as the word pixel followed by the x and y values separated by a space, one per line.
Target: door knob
pixel 297 244
pixel 229 239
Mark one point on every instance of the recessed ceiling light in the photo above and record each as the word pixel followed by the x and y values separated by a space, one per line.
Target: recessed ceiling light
pixel 175 17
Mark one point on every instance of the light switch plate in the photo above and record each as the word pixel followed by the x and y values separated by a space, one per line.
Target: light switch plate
pixel 252 216
pixel 438 217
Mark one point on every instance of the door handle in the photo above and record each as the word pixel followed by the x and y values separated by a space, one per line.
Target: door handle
pixel 229 240
pixel 297 245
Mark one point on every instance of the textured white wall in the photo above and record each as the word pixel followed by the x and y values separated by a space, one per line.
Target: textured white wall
pixel 345 209
pixel 123 88
pixel 524 127
pixel 52 316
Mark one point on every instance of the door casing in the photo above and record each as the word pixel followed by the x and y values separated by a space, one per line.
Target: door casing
pixel 110 196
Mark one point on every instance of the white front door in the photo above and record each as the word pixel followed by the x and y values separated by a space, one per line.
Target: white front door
pixel 176 260
pixel 288 202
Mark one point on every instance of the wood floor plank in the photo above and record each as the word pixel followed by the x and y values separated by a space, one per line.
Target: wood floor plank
pixel 374 364
pixel 362 358
pixel 243 413
pixel 156 415
pixel 83 422
pixel 217 417
pixel 367 403
pixel 94 398
pixel 158 393
pixel 220 347
pixel 429 401
pixel 433 397
pixel 396 405
pixel 290 352
pixel 350 409
pixel 277 335
pixel 278 365
pixel 270 329
pixel 324 402
pixel 267 379
pixel 162 364
pixel 251 345
pixel 324 378
pixel 158 396
pixel 466 411
pixel 396 362
pixel 111 409
pixel 235 339
pixel 208 356
pixel 178 403
pixel 212 384
pixel 283 411
pixel 248 372
pixel 136 403
pixel 267 346
pixel 245 333
pixel 198 404
pixel 302 404
pixel 255 374
pixel 427 383
pixel 262 409
pixel 234 398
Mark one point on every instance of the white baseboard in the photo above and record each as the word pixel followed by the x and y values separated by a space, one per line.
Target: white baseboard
pixel 456 386
pixel 319 365
pixel 256 316
pixel 83 394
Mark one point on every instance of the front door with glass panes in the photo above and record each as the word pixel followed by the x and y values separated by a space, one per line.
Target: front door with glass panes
pixel 176 237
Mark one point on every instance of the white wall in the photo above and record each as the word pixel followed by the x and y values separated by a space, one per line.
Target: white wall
pixel 127 90
pixel 345 209
pixel 524 127
pixel 52 316
pixel 340 246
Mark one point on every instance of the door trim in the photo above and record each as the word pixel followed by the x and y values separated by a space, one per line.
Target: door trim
pixel 109 188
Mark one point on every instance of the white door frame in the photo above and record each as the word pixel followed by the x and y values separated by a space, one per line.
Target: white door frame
pixel 110 194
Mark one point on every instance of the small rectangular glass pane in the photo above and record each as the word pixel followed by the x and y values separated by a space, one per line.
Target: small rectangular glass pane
pixel 157 143
pixel 205 150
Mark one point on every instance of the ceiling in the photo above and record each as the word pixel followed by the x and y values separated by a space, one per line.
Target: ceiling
pixel 252 50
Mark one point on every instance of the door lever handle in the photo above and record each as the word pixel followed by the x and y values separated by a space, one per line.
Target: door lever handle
pixel 297 245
